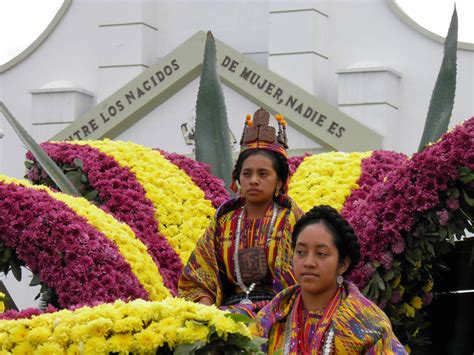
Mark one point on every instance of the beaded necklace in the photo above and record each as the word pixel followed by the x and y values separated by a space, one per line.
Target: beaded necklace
pixel 238 275
pixel 324 332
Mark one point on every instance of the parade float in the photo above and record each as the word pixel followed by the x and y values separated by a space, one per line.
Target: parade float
pixel 108 257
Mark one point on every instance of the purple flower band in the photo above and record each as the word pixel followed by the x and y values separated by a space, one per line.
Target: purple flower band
pixel 67 253
pixel 123 197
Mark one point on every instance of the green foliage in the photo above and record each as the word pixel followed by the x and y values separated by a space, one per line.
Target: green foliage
pixel 46 162
pixel 232 344
pixel 212 134
pixel 74 173
pixel 442 98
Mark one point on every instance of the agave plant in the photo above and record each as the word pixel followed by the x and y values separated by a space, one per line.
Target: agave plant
pixel 442 98
pixel 212 134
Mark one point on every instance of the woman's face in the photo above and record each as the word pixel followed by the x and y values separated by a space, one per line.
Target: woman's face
pixel 316 260
pixel 258 179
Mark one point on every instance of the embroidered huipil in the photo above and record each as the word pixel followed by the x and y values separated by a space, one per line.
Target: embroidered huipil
pixel 210 269
pixel 359 326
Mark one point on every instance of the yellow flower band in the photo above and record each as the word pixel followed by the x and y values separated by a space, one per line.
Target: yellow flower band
pixel 135 327
pixel 326 178
pixel 182 211
pixel 132 249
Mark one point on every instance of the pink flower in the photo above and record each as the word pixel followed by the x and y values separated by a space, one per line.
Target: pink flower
pixel 427 298
pixel 452 204
pixel 399 246
pixel 443 217
pixel 387 260
pixel 396 297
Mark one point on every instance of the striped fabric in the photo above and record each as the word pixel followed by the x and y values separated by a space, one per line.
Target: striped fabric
pixel 360 327
pixel 210 268
pixel 274 147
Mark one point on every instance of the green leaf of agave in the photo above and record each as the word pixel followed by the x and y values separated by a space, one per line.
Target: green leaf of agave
pixel 35 280
pixel 212 134
pixel 442 98
pixel 48 165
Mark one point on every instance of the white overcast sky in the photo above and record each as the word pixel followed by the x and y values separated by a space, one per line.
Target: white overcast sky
pixel 22 21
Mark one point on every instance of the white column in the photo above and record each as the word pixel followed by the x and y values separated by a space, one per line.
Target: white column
pixel 127 43
pixel 369 92
pixel 55 106
pixel 298 48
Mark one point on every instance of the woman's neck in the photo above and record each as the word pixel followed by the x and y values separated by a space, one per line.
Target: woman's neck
pixel 256 211
pixel 312 302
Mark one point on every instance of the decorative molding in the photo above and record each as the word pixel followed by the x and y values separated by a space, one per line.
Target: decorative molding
pixel 298 10
pixel 123 66
pixel 129 24
pixel 369 70
pixel 297 53
pixel 39 41
pixel 397 10
pixel 369 103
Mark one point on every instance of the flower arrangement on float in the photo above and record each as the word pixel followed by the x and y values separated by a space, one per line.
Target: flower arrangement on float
pixel 169 326
pixel 75 248
pixel 116 190
pixel 180 207
pixel 405 211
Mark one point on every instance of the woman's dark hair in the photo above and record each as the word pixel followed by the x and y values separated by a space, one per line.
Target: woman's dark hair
pixel 344 236
pixel 279 163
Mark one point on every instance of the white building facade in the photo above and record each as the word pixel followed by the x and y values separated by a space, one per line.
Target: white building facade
pixel 360 65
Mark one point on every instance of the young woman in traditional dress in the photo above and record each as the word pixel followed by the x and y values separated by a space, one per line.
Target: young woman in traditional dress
pixel 323 314
pixel 245 255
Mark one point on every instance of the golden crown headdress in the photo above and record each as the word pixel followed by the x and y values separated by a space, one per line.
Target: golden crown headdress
pixel 257 134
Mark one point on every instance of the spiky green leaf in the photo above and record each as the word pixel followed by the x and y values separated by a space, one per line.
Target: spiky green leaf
pixel 442 98
pixel 212 134
pixel 48 165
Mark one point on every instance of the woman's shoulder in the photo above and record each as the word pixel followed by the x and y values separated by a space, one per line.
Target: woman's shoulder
pixel 364 309
pixel 290 205
pixel 228 206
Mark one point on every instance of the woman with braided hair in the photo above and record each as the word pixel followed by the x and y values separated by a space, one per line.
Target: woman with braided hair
pixel 244 258
pixel 323 313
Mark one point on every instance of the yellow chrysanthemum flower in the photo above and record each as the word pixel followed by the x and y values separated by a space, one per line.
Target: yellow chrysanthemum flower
pixel 38 335
pixel 24 347
pixel 120 342
pixel 428 286
pixel 409 310
pixel 96 345
pixel 416 302
pixel 49 349
pixel 326 178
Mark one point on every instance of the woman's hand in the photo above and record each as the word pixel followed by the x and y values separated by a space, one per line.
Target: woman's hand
pixel 206 300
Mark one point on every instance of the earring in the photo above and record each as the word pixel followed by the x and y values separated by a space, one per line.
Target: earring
pixel 276 193
pixel 340 280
